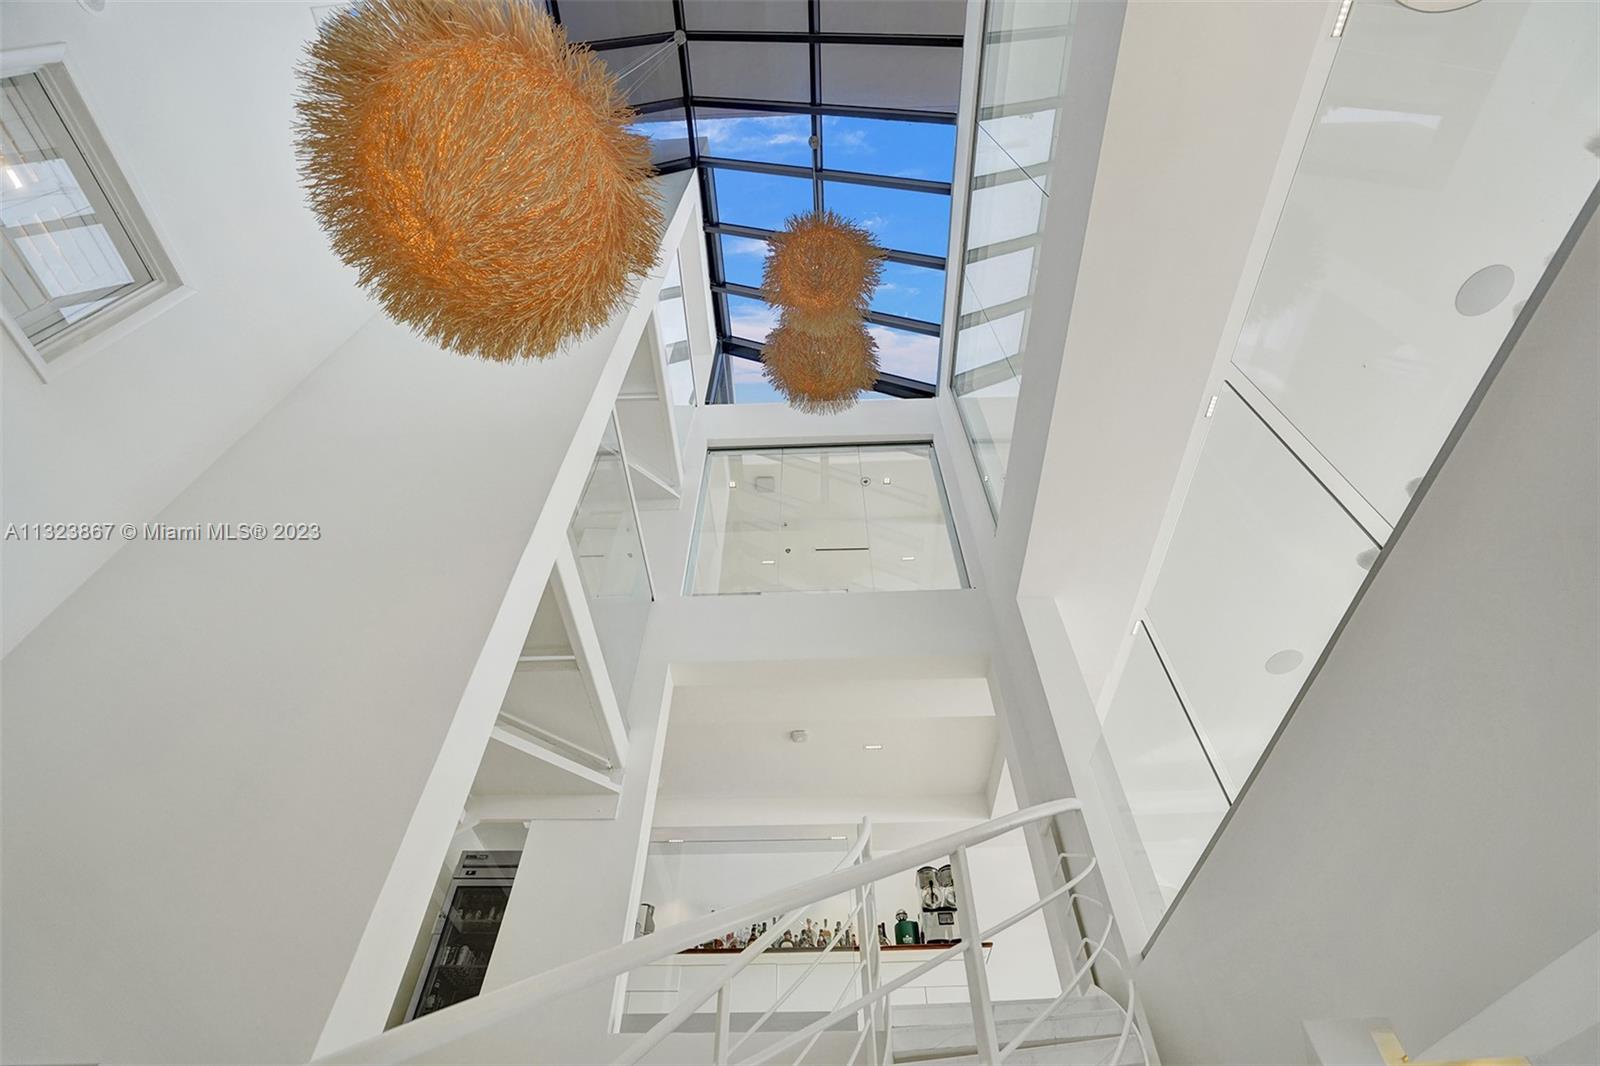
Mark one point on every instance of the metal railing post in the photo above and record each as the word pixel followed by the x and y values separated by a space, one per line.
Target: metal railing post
pixel 984 1036
pixel 867 940
pixel 719 1050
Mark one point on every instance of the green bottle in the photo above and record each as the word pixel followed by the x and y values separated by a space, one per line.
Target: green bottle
pixel 905 930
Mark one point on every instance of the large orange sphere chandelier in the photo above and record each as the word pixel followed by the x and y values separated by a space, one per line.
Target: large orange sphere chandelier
pixel 477 170
pixel 821 373
pixel 820 274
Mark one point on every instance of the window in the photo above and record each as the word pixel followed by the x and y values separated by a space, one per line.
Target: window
pixel 852 518
pixel 78 255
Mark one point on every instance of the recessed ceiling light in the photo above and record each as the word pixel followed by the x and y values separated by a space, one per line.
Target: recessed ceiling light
pixel 837 838
pixel 886 481
pixel 769 562
pixel 733 484
pixel 1484 290
pixel 1282 662
pixel 1211 408
pixel 908 558
pixel 674 840
pixel 873 747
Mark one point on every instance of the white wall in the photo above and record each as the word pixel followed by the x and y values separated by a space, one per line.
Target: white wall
pixel 271 742
pixel 1177 197
pixel 195 102
pixel 1425 833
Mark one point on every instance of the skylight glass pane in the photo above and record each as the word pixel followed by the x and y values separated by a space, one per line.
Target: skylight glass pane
pixel 751 70
pixel 880 146
pixel 646 72
pixel 668 132
pixel 897 16
pixel 910 292
pixel 749 382
pixel 742 259
pixel 900 220
pixel 916 78
pixel 784 15
pixel 906 354
pixel 762 200
pixel 751 320
pixel 761 137
pixel 597 20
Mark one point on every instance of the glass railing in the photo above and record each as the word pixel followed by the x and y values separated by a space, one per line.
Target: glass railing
pixel 1448 157
pixel 611 563
pixel 823 519
pixel 1020 84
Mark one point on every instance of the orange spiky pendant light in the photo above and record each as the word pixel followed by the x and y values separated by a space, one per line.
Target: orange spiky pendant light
pixel 477 171
pixel 821 273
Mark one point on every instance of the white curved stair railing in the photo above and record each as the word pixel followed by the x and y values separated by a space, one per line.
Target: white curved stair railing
pixel 857 875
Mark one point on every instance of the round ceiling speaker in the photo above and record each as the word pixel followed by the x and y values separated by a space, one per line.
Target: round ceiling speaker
pixel 1436 7
pixel 1283 662
pixel 1483 291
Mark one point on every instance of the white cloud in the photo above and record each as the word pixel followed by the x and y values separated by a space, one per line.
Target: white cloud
pixel 744 246
pixel 751 320
pixel 911 355
pixel 744 134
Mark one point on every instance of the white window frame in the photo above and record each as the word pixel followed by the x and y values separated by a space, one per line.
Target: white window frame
pixel 73 345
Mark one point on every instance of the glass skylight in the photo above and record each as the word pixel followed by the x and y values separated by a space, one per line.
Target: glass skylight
pixel 782 115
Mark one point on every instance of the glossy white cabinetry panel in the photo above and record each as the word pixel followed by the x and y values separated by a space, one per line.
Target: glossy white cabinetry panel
pixel 1262 565
pixel 1444 144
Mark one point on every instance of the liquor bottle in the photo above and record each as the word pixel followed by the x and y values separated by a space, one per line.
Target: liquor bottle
pixel 883 937
pixel 838 928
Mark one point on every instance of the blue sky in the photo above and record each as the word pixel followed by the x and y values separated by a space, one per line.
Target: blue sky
pixel 898 219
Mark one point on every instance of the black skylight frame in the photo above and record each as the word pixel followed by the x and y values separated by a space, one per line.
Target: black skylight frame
pixel 721 389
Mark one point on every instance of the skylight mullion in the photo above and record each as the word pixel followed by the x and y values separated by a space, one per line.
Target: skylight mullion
pixel 919 259
pixel 629 42
pixel 877 318
pixel 814 23
pixel 892 40
pixel 790 107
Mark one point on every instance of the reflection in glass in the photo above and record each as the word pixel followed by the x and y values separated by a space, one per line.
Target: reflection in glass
pixel 673 328
pixel 851 518
pixel 1262 565
pixel 1022 73
pixel 66 254
pixel 1443 144
pixel 1169 793
pixel 668 133
pixel 604 534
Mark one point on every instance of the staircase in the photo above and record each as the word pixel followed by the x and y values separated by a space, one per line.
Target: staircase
pixel 1083 1031
pixel 1083 1025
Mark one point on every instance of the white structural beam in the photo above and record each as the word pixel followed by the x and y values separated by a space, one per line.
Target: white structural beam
pixel 517 741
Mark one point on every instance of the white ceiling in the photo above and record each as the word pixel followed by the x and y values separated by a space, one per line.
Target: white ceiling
pixel 732 741
pixel 195 102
